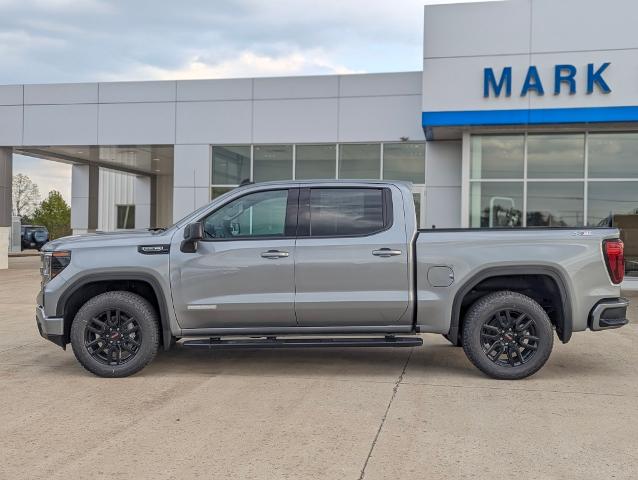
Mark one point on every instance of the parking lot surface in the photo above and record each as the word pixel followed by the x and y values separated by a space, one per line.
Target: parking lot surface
pixel 423 413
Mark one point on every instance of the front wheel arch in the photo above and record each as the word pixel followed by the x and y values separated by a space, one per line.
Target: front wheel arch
pixel 144 285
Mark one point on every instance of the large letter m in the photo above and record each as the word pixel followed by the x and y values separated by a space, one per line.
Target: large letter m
pixel 490 83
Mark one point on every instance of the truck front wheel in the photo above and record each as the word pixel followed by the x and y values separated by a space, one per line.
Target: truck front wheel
pixel 507 335
pixel 115 334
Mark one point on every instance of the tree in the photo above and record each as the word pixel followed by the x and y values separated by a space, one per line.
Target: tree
pixel 55 214
pixel 26 195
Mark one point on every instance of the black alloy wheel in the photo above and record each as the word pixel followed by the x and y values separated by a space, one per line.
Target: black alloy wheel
pixel 507 335
pixel 115 334
pixel 509 338
pixel 113 337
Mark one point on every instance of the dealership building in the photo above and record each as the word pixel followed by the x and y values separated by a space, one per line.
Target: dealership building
pixel 525 114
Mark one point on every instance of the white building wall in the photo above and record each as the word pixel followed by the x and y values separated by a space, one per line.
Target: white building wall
pixel 116 188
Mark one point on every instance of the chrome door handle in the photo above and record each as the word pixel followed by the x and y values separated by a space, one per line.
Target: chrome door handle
pixel 274 254
pixel 386 252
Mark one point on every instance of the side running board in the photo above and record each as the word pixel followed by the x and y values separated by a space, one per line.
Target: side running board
pixel 274 342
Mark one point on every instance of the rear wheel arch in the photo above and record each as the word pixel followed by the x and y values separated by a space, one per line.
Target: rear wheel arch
pixel 534 281
pixel 79 292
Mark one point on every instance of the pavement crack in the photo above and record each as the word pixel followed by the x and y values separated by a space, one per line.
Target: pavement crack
pixel 385 415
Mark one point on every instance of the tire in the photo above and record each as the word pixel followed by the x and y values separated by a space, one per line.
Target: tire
pixel 507 335
pixel 115 334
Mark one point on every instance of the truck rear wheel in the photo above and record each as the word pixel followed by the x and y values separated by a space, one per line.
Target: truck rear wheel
pixel 115 334
pixel 507 335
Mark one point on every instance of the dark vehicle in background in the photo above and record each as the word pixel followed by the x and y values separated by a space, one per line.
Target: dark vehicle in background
pixel 33 236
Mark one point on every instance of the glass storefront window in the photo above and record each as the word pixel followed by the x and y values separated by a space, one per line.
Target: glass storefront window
pixel 496 204
pixel 360 161
pixel 556 156
pixel 272 162
pixel 231 164
pixel 404 161
pixel 497 156
pixel 315 161
pixel 217 191
pixel 615 204
pixel 613 155
pixel 555 204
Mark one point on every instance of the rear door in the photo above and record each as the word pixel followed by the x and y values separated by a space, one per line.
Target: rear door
pixel 351 257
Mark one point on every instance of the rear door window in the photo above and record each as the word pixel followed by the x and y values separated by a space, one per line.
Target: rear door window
pixel 338 212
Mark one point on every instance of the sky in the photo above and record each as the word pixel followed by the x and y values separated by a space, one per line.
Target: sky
pixel 51 41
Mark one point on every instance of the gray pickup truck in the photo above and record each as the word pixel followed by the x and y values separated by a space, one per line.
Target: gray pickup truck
pixel 301 264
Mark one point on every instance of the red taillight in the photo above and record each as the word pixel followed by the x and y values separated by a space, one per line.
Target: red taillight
pixel 615 257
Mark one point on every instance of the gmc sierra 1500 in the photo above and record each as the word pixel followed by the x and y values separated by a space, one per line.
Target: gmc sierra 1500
pixel 326 264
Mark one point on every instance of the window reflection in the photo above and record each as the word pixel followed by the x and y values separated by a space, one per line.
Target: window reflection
pixel 556 156
pixel 231 164
pixel 496 204
pixel 315 161
pixel 555 204
pixel 360 161
pixel 497 156
pixel 613 155
pixel 272 162
pixel 404 161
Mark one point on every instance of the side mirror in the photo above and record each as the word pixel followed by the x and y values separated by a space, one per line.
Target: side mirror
pixel 193 233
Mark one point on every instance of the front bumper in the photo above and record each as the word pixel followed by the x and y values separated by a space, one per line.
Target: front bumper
pixel 51 328
pixel 608 314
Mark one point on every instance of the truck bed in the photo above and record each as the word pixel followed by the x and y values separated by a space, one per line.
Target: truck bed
pixel 571 257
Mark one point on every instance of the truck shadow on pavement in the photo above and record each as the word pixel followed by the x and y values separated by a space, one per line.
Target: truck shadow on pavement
pixel 442 362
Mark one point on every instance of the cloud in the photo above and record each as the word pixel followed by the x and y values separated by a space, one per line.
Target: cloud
pixel 44 41
pixel 246 64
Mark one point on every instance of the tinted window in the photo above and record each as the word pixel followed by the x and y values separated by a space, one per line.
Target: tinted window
pixel 125 216
pixel 257 214
pixel 345 211
pixel 231 164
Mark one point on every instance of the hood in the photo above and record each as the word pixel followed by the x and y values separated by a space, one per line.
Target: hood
pixel 128 237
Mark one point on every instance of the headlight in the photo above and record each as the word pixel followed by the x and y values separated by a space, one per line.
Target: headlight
pixel 53 263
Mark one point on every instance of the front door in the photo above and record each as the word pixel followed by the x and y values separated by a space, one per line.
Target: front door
pixel 242 274
pixel 351 265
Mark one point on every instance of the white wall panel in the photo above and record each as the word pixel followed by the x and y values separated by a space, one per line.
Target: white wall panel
pixel 443 163
pixel 60 124
pixel 61 93
pixel 296 87
pixel 117 92
pixel 465 29
pixel 443 207
pixel 307 120
pixel 10 125
pixel 11 94
pixel 136 123
pixel 183 202
pixel 222 89
pixel 374 84
pixel 576 25
pixel 380 118
pixel 214 122
pixel 192 166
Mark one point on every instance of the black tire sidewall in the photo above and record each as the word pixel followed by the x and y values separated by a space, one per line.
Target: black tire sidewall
pixel 131 304
pixel 483 310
